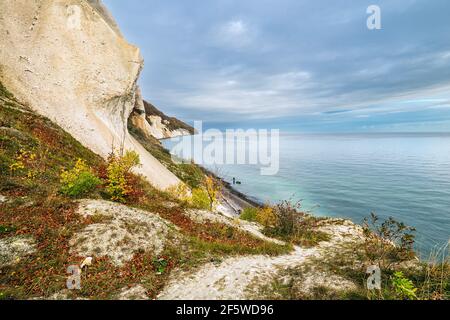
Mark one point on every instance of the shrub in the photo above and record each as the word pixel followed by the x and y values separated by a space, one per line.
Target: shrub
pixel 250 214
pixel 78 181
pixel 387 242
pixel 214 189
pixel 289 218
pixel 403 287
pixel 286 222
pixel 119 175
pixel 267 217
pixel 23 160
pixel 200 199
pixel 180 191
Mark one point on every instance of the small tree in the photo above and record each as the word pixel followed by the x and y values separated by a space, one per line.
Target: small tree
pixel 118 174
pixel 79 180
pixel 214 190
pixel 387 242
pixel 267 217
pixel 200 199
pixel 288 218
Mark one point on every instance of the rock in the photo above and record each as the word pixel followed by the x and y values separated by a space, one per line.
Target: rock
pixel 88 89
pixel 305 285
pixel 3 199
pixel 15 248
pixel 154 123
pixel 123 232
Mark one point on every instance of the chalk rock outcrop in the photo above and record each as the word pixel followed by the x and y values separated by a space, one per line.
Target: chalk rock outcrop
pixel 153 122
pixel 67 60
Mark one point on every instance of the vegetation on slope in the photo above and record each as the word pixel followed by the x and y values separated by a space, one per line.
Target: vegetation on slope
pixel 285 221
pixel 34 153
pixel 402 275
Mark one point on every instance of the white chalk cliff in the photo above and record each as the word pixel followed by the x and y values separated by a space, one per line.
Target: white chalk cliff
pixel 154 123
pixel 67 60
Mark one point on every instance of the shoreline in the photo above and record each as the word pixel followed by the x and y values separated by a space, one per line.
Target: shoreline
pixel 236 199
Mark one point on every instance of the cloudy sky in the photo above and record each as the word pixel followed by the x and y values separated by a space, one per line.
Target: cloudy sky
pixel 298 65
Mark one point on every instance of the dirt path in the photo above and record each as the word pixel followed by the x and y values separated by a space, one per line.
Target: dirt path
pixel 230 279
pixel 233 278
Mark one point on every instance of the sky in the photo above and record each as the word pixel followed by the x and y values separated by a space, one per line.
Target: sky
pixel 295 65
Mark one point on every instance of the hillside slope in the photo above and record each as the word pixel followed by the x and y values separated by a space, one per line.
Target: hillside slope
pixel 42 231
pixel 156 246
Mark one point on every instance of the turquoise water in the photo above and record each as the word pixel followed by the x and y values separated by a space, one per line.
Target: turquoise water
pixel 406 176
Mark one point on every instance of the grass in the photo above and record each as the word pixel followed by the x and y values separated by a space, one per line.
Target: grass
pixel 431 278
pixel 305 234
pixel 249 214
pixel 215 237
pixel 36 208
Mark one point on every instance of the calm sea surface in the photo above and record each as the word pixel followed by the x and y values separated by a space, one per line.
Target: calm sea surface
pixel 406 176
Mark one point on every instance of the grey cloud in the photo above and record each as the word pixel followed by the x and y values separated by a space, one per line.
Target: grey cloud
pixel 256 60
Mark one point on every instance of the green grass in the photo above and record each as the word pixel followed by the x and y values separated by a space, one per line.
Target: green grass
pixel 249 214
pixel 305 234
pixel 221 249
pixel 53 148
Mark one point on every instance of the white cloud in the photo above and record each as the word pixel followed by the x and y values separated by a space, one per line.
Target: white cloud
pixel 235 28
pixel 235 34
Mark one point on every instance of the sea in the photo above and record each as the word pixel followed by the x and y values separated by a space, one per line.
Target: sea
pixel 401 175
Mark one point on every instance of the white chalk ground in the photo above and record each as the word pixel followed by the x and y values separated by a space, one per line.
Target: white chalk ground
pixel 240 278
pixel 14 248
pixel 121 232
pixel 3 199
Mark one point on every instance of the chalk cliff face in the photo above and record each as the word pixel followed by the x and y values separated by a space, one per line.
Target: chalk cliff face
pixel 68 61
pixel 153 122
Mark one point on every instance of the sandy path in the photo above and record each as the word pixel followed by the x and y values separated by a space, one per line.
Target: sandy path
pixel 233 278
pixel 230 279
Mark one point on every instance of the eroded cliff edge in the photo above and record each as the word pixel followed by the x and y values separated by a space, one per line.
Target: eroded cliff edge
pixel 68 61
